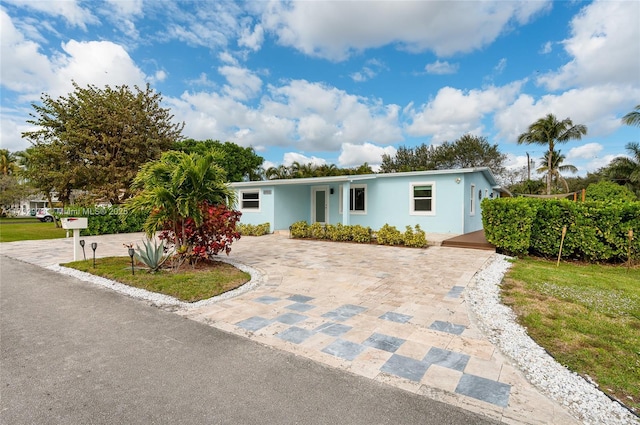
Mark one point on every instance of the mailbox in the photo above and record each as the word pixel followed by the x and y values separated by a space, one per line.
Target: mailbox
pixel 72 223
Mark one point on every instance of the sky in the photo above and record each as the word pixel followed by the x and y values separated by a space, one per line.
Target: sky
pixel 339 82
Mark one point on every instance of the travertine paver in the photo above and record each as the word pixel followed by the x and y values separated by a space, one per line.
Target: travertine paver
pixel 396 315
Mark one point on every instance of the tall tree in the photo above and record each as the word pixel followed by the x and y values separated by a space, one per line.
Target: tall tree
pixel 633 117
pixel 468 151
pixel 103 135
pixel 626 170
pixel 240 164
pixel 556 168
pixel 549 131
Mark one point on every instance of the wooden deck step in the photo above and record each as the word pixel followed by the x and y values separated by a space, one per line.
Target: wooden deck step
pixel 473 240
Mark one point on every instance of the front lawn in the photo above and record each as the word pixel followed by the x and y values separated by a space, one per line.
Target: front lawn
pixel 23 229
pixel 188 284
pixel 586 315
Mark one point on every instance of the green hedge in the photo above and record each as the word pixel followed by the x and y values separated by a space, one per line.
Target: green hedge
pixel 254 230
pixel 107 220
pixel 596 231
pixel 387 235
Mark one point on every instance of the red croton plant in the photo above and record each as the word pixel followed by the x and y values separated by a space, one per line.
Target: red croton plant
pixel 194 242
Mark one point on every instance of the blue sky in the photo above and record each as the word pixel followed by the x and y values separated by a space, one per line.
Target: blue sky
pixel 340 82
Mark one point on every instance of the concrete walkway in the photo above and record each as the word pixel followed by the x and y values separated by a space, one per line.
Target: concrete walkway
pixel 394 315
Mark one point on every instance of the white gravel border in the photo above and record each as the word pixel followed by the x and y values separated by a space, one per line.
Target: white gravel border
pixel 162 300
pixel 498 322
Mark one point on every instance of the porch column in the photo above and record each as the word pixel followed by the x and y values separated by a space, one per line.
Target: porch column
pixel 346 186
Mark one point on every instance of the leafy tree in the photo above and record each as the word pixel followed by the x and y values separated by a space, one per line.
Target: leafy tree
pixel 101 136
pixel 556 168
pixel 467 152
pixel 633 117
pixel 240 163
pixel 44 167
pixel 626 170
pixel 549 131
pixel 178 191
pixel 609 191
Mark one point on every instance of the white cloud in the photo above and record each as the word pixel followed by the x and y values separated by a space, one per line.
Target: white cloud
pixel 251 39
pixel 24 68
pixel 597 107
pixel 604 46
pixel 70 10
pixel 94 62
pixel 587 151
pixel 126 8
pixel 334 30
pixel 242 84
pixel 302 115
pixel 454 112
pixel 353 155
pixel 370 70
pixel 291 157
pixel 441 67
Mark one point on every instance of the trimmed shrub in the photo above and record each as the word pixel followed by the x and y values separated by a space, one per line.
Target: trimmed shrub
pixel 361 234
pixel 339 232
pixel 507 223
pixel 389 235
pixel 609 191
pixel 414 238
pixel 107 220
pixel 317 231
pixel 596 231
pixel 254 230
pixel 300 229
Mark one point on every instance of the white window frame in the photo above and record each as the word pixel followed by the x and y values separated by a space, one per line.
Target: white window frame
pixel 412 199
pixel 250 209
pixel 366 199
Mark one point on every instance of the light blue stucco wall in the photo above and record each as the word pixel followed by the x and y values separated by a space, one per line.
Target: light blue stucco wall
pixel 473 221
pixel 388 201
pixel 266 212
pixel 292 203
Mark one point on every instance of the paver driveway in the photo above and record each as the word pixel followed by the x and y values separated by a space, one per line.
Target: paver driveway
pixel 396 315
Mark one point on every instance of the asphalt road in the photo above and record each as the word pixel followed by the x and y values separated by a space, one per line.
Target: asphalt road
pixel 73 353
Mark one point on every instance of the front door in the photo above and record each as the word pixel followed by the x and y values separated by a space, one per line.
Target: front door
pixel 319 205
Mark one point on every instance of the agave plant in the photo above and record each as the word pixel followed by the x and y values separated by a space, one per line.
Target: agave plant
pixel 153 255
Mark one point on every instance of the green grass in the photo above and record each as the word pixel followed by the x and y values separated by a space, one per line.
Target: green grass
pixel 586 315
pixel 23 229
pixel 188 284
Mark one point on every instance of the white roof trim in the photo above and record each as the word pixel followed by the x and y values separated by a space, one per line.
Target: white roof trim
pixel 355 178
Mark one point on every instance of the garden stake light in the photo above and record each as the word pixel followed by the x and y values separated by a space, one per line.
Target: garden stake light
pixel 131 253
pixel 564 233
pixel 629 250
pixel 83 253
pixel 94 246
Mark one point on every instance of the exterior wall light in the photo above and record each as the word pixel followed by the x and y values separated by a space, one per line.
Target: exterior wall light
pixel 458 180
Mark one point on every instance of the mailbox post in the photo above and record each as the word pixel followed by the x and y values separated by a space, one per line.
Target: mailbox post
pixel 76 224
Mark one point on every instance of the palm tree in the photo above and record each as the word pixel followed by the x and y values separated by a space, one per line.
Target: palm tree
pixel 556 167
pixel 8 163
pixel 549 131
pixel 279 172
pixel 633 117
pixel 174 188
pixel 626 170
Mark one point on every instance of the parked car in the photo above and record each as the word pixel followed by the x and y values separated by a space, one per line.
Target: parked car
pixel 46 214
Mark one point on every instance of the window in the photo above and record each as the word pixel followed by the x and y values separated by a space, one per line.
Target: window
pixel 472 199
pixel 422 198
pixel 357 199
pixel 250 200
